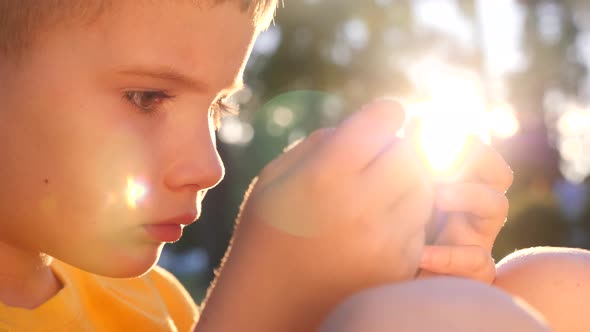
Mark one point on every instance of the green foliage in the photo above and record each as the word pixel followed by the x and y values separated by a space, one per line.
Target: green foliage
pixel 318 64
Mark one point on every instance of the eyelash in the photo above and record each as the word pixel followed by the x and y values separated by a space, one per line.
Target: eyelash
pixel 136 98
pixel 219 108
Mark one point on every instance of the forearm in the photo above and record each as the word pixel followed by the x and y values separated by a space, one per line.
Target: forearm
pixel 262 286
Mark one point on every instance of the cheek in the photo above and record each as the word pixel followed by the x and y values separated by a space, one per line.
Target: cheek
pixel 99 162
pixel 71 162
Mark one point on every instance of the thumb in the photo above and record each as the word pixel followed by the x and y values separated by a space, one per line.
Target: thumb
pixel 472 262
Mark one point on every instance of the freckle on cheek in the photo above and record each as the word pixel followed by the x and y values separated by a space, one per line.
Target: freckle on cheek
pixel 46 181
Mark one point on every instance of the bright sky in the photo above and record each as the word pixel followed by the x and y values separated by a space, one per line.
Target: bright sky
pixel 502 24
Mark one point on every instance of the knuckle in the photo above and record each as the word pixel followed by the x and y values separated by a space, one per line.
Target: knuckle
pixel 294 145
pixel 318 135
pixel 269 170
pixel 448 260
pixel 503 206
pixel 507 178
pixel 322 133
pixel 480 259
pixel 314 138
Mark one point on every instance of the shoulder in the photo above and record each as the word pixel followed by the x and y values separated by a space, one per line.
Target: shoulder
pixel 182 307
pixel 554 280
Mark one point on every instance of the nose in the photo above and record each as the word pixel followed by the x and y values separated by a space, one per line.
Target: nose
pixel 195 163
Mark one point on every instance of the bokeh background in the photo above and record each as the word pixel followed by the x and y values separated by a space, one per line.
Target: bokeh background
pixel 522 63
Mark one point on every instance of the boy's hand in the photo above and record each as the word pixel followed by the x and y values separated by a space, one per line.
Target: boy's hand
pixel 343 210
pixel 355 195
pixel 472 210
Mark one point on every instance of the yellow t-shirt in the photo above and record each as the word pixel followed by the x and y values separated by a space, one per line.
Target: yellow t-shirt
pixel 87 302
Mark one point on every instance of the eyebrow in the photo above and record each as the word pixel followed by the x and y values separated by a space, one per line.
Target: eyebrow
pixel 171 75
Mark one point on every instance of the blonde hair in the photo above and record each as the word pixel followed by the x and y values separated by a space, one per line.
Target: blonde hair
pixel 21 21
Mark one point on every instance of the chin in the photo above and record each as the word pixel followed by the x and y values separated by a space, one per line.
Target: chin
pixel 133 266
pixel 135 269
pixel 120 264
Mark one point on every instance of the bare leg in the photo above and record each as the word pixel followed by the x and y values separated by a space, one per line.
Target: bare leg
pixel 434 305
pixel 554 281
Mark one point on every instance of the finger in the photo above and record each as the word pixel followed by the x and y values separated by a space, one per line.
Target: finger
pixel 473 198
pixel 294 154
pixel 464 229
pixel 436 225
pixel 393 173
pixel 357 141
pixel 483 163
pixel 416 205
pixel 299 149
pixel 472 262
pixel 406 221
pixel 412 128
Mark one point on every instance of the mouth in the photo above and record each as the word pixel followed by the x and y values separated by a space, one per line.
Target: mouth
pixel 169 230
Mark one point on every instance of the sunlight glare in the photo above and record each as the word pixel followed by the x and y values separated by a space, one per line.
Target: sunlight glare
pixel 135 191
pixel 503 122
pixel 442 140
pixel 574 121
pixel 452 106
pixel 447 120
pixel 572 126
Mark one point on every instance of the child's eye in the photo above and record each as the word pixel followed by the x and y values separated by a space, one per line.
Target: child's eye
pixel 146 101
pixel 222 106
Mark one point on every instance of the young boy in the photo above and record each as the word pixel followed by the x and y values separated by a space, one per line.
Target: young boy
pixel 107 120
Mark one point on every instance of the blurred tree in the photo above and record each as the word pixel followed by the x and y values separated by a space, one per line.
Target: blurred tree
pixel 345 49
pixel 334 55
pixel 553 64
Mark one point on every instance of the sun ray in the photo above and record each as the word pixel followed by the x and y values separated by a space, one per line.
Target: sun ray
pixel 136 191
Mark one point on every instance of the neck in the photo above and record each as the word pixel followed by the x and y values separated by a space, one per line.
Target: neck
pixel 30 281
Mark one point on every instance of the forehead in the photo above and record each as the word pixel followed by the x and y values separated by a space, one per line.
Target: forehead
pixel 211 42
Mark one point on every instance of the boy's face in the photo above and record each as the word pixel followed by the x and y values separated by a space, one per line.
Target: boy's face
pixel 106 131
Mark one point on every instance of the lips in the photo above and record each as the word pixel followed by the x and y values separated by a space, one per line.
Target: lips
pixel 169 230
pixel 183 219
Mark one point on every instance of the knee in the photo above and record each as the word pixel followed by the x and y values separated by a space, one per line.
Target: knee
pixel 545 255
pixel 525 271
pixel 435 304
pixel 553 280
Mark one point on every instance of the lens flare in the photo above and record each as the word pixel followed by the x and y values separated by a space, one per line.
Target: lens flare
pixel 451 106
pixel 442 140
pixel 503 121
pixel 444 128
pixel 135 191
